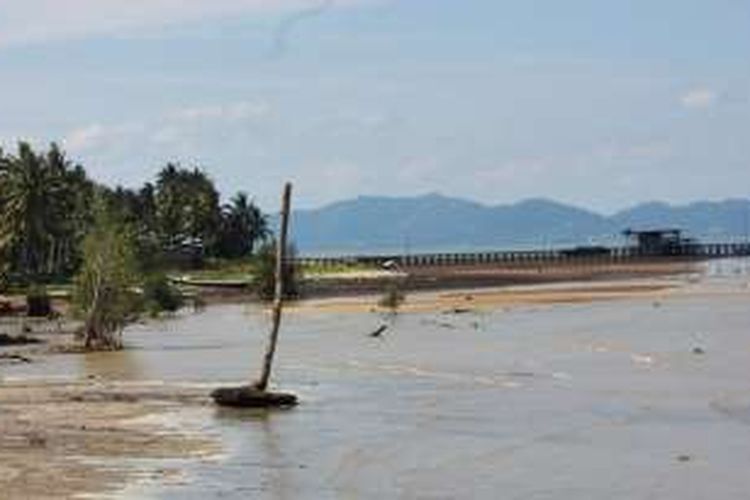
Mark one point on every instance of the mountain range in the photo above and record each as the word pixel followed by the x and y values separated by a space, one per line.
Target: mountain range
pixel 433 222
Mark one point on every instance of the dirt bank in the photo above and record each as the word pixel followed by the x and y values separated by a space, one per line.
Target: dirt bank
pixel 457 276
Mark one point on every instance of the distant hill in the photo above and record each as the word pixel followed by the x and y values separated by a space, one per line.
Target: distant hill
pixel 434 222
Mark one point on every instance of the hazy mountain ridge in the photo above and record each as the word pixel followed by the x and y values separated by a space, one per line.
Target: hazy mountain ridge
pixel 435 222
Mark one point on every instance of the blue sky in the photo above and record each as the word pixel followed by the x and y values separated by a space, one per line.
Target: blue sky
pixel 602 104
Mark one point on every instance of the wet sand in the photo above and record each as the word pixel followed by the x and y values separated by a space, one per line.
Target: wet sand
pixel 66 439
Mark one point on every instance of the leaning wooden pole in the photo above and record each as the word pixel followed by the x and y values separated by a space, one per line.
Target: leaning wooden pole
pixel 278 299
pixel 256 395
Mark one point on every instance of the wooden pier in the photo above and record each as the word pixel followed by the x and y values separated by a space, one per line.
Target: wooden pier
pixel 578 255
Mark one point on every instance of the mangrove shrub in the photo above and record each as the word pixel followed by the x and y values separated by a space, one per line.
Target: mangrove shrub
pixel 105 295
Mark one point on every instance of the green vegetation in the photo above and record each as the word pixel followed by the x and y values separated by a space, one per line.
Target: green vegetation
pixel 176 223
pixel 44 200
pixel 311 269
pixel 159 295
pixel 223 269
pixel 243 224
pixel 265 269
pixel 105 295
pixel 110 248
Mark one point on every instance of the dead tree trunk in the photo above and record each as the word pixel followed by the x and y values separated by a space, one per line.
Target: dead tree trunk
pixel 278 302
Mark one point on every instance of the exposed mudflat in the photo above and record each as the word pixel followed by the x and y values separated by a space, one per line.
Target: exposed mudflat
pixel 530 393
pixel 60 440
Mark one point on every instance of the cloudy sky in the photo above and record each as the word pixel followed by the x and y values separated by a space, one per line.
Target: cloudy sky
pixel 602 104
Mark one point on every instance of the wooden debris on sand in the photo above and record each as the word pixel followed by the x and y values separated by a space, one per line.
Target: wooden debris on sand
pixel 250 397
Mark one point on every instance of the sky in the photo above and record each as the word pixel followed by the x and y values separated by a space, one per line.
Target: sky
pixel 599 104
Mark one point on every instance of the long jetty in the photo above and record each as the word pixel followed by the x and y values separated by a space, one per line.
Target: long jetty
pixel 692 251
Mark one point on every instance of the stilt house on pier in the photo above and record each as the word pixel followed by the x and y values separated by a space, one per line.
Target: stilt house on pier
pixel 657 242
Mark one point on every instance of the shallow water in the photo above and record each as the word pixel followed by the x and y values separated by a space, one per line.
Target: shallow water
pixel 604 400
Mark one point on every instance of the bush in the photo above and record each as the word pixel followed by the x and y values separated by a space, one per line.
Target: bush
pixel 38 303
pixel 265 272
pixel 104 294
pixel 160 295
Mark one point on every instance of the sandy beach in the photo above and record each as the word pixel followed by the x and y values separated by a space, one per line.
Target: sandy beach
pixel 467 300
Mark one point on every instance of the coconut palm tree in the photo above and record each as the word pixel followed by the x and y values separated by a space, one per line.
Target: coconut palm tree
pixel 258 223
pixel 70 214
pixel 45 202
pixel 243 224
pixel 28 198
pixel 187 208
pixel 6 238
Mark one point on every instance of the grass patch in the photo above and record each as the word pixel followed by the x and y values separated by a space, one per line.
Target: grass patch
pixel 219 269
pixel 321 270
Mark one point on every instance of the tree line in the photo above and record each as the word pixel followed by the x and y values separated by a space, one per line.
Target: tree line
pixel 49 205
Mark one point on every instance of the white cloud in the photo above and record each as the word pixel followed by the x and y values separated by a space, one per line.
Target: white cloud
pixel 96 136
pixel 85 137
pixel 31 21
pixel 174 127
pixel 229 112
pixel 699 98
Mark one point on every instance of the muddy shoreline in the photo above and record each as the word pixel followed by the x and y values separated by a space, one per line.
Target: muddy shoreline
pixel 64 439
pixel 459 277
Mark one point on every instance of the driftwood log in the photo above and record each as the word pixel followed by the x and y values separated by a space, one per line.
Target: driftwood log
pixel 250 397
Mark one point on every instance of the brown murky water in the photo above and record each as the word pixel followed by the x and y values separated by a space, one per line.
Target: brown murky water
pixel 605 400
